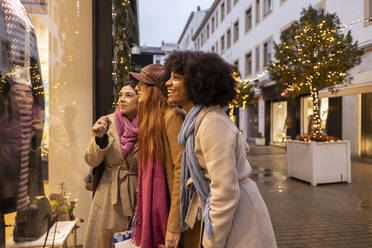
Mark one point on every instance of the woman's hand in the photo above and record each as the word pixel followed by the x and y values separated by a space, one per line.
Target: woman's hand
pixel 100 128
pixel 172 239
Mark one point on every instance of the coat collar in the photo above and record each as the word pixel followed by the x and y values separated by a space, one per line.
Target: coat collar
pixel 202 114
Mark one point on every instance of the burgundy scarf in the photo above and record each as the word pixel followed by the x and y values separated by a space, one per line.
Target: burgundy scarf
pixel 127 131
pixel 152 205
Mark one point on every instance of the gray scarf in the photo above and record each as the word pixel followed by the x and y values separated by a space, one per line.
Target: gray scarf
pixel 191 168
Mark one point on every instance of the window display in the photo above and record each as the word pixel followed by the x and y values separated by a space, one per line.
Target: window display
pixel 22 116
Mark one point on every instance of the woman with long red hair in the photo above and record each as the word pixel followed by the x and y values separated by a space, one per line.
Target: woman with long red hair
pixel 159 162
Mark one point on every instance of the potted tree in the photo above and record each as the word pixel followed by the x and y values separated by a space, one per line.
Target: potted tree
pixel 313 54
pixel 260 140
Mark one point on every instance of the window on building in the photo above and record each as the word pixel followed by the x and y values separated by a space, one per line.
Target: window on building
pixel 248 19
pixel 235 1
pixel 213 24
pixel 258 8
pixel 202 39
pixel 216 18
pixel 208 31
pixel 284 31
pixel 222 11
pixel 369 14
pixel 267 52
pixel 213 49
pixel 248 64
pixel 192 32
pixel 236 64
pixel 228 5
pixel 228 38
pixel 236 31
pixel 222 43
pixel 157 59
pixel 268 5
pixel 217 47
pixel 198 44
pixel 258 59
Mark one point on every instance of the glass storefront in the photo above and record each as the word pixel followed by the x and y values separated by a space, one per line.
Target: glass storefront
pixel 252 120
pixel 366 141
pixel 278 122
pixel 49 79
pixel 307 113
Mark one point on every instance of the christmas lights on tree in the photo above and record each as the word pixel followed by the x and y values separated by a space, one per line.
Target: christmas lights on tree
pixel 125 35
pixel 244 94
pixel 314 53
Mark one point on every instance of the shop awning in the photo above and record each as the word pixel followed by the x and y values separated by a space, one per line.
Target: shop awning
pixel 361 83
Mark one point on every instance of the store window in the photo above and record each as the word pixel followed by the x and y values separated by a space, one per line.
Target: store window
pixel 366 126
pixel 278 122
pixel 307 113
pixel 252 120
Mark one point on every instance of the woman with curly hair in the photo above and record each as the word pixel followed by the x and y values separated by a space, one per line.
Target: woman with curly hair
pixel 159 162
pixel 215 183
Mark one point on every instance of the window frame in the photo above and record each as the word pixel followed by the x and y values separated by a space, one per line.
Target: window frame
pixel 236 34
pixel 248 71
pixel 245 18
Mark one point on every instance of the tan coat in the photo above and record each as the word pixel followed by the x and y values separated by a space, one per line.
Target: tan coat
pixel 114 201
pixel 238 213
pixel 173 153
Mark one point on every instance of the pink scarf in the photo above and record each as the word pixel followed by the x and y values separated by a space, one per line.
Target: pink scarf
pixel 152 206
pixel 127 131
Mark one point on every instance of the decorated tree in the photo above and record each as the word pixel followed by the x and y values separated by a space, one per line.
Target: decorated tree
pixel 314 53
pixel 244 93
pixel 125 35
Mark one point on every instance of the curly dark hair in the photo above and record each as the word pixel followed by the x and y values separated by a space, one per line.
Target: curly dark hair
pixel 207 77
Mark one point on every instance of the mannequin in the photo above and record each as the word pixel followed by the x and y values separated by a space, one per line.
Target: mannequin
pixel 21 111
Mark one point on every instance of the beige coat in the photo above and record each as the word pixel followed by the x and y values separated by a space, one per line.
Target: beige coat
pixel 114 201
pixel 173 153
pixel 238 213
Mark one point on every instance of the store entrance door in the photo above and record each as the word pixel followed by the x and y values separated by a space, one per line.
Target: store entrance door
pixel 367 125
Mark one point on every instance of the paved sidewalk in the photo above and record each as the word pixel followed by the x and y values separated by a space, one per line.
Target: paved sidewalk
pixel 330 215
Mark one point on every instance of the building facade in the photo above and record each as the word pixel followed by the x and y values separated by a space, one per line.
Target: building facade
pixel 244 32
pixel 185 42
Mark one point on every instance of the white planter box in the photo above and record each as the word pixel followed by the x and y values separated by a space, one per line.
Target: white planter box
pixel 319 162
pixel 260 141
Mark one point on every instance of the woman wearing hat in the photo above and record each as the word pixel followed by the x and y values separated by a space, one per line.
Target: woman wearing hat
pixel 159 162
pixel 215 184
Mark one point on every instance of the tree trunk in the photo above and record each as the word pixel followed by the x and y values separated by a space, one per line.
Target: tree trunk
pixel 316 128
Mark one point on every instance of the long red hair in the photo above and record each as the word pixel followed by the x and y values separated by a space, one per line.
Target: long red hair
pixel 151 114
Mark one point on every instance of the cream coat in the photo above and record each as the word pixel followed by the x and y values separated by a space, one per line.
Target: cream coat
pixel 238 213
pixel 114 201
